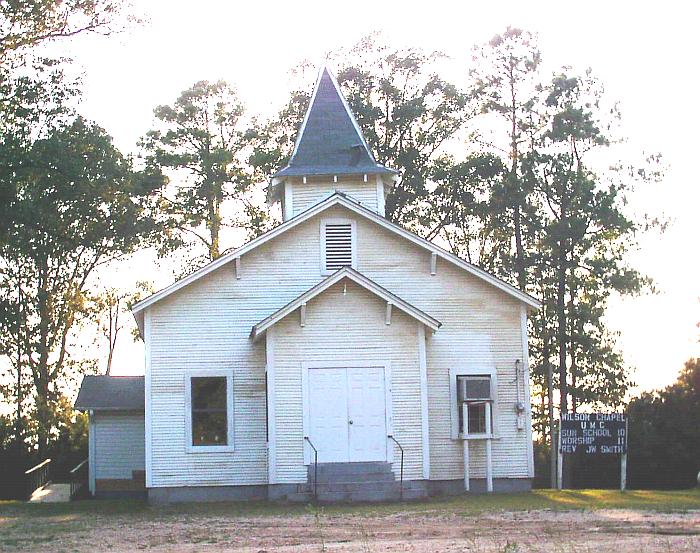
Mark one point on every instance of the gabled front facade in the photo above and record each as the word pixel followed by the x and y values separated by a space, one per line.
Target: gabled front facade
pixel 339 340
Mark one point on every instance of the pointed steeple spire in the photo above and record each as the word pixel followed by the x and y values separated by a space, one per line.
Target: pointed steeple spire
pixel 330 141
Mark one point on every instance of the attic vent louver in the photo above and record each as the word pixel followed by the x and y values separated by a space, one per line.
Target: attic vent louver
pixel 338 245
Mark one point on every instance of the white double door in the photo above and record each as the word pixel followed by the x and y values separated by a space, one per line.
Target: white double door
pixel 347 414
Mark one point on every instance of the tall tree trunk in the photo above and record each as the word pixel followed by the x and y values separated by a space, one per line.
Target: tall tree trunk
pixel 18 423
pixel 562 330
pixel 550 402
pixel 41 378
pixel 519 250
pixel 214 225
pixel 572 347
pixel 514 187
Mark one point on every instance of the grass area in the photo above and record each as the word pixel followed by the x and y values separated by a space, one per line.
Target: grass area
pixel 663 501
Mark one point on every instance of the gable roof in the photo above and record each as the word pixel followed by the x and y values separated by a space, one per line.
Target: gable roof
pixel 337 198
pixel 111 393
pixel 346 273
pixel 329 141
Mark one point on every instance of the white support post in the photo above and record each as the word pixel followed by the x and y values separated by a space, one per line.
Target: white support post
pixel 302 317
pixel 465 446
pixel 388 313
pixel 381 200
pixel 433 263
pixel 623 464
pixel 489 463
pixel 148 400
pixel 271 415
pixel 91 452
pixel 288 201
pixel 425 425
pixel 237 264
pixel 623 472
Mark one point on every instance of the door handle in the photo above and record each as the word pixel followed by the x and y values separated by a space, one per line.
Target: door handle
pixel 350 421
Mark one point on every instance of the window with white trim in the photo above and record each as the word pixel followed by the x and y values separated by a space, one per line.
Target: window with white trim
pixel 473 403
pixel 474 393
pixel 209 411
pixel 338 245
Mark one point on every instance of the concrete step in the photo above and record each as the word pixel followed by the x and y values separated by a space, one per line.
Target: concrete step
pixel 366 477
pixel 331 470
pixel 367 493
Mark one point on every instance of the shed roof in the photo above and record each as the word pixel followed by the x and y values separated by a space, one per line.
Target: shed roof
pixel 329 141
pixel 111 393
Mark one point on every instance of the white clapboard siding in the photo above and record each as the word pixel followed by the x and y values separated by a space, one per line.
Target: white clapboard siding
pixel 119 445
pixel 346 324
pixel 206 326
pixel 306 195
pixel 480 325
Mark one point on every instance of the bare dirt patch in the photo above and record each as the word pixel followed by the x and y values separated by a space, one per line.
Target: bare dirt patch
pixel 434 531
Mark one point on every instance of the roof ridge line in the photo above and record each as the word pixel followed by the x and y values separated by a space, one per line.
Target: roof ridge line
pixel 351 204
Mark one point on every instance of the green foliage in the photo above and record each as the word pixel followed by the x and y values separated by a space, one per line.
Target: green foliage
pixel 27 23
pixel 664 433
pixel 583 235
pixel 78 205
pixel 505 85
pixel 109 310
pixel 407 113
pixel 505 172
pixel 203 143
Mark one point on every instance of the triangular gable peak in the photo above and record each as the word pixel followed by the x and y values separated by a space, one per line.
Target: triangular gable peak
pixel 339 276
pixel 330 141
pixel 342 200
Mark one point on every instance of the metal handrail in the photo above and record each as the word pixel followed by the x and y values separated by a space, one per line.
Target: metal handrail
pixel 37 477
pixel 401 449
pixel 315 466
pixel 77 478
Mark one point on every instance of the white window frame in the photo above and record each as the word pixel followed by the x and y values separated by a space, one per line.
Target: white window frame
pixel 229 412
pixel 455 434
pixel 353 241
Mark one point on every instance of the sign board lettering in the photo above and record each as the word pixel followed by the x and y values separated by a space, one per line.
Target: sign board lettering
pixel 593 433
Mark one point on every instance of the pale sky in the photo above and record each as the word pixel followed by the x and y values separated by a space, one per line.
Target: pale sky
pixel 646 54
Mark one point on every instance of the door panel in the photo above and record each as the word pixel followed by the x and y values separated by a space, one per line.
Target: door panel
pixel 366 414
pixel 328 414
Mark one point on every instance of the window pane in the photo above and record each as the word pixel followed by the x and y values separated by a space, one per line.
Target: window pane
pixel 209 392
pixel 477 418
pixel 209 428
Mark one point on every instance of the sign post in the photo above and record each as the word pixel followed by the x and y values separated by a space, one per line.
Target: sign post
pixel 595 434
pixel 560 460
pixel 623 464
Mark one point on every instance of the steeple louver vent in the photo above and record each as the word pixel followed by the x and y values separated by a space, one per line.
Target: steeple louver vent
pixel 338 245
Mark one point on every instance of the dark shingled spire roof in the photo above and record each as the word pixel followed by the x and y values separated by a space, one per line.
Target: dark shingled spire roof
pixel 330 141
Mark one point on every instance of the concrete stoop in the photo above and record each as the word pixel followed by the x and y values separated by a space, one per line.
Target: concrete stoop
pixel 339 482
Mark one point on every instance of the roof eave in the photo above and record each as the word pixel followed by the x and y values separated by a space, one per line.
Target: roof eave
pixel 260 328
pixel 333 199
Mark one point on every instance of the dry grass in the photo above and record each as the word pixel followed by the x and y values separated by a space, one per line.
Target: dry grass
pixel 543 520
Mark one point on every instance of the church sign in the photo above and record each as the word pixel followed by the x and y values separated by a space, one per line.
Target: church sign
pixel 593 433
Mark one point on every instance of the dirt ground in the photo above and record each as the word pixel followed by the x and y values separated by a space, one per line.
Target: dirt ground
pixel 314 530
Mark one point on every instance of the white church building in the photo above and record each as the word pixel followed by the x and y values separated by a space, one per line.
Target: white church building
pixel 338 356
